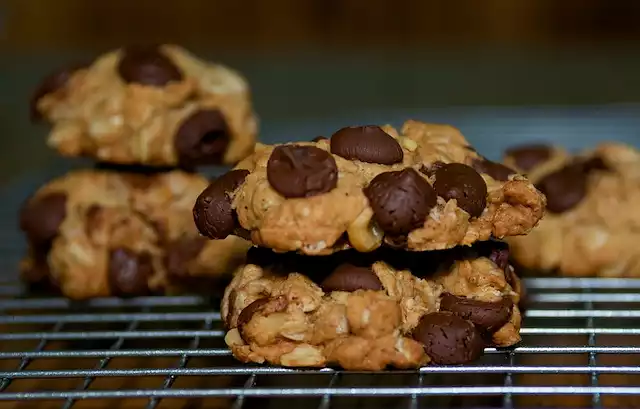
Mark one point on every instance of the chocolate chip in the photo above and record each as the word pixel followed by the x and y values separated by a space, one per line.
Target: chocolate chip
pixel 319 138
pixel 213 213
pixel 129 272
pixel 202 139
pixel 463 183
pixel 348 277
pixel 147 66
pixel 301 171
pixel 41 217
pixel 367 144
pixel 595 163
pixel 400 200
pixel 493 169
pixel 528 157
pixel 564 188
pixel 449 339
pixel 180 252
pixel 49 84
pixel 430 170
pixel 500 255
pixel 250 310
pixel 487 316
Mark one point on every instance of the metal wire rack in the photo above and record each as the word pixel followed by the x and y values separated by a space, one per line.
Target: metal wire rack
pixel 579 349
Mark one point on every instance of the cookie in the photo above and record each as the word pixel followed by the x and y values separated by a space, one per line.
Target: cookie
pixel 96 233
pixel 591 225
pixel 420 188
pixel 154 106
pixel 369 311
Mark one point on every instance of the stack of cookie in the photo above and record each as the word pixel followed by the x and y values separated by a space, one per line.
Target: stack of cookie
pixel 376 247
pixel 149 116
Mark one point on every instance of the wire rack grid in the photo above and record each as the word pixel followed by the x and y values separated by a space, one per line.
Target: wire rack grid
pixel 578 350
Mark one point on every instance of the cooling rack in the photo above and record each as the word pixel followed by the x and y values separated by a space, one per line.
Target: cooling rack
pixel 579 349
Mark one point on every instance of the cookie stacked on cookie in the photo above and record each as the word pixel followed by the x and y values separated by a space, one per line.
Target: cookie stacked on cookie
pixel 392 233
pixel 149 116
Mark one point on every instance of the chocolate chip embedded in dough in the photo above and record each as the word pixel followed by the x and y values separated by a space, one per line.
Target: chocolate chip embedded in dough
pixel 41 217
pixel 213 213
pixel 564 188
pixel 449 339
pixel 301 171
pixel 129 272
pixel 401 200
pixel 500 255
pixel 488 316
pixel 202 139
pixel 463 183
pixel 250 310
pixel 348 277
pixel 147 65
pixel 51 83
pixel 527 157
pixel 180 252
pixel 367 144
pixel 495 170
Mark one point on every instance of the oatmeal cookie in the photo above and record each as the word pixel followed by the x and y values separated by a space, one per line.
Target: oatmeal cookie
pixel 590 228
pixel 95 233
pixel 369 311
pixel 420 188
pixel 155 106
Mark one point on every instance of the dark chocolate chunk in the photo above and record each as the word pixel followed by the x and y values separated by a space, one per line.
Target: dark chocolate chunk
pixel 500 255
pixel 528 157
pixel 301 171
pixel 129 272
pixel 41 217
pixel 51 83
pixel 487 316
pixel 202 139
pixel 250 310
pixel 595 163
pixel 348 277
pixel 564 188
pixel 367 144
pixel 400 200
pixel 449 339
pixel 212 213
pixel 147 66
pixel 496 170
pixel 430 170
pixel 180 252
pixel 463 183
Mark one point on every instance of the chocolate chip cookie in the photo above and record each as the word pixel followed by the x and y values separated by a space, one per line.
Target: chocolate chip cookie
pixel 155 106
pixel 591 227
pixel 96 233
pixel 420 188
pixel 370 311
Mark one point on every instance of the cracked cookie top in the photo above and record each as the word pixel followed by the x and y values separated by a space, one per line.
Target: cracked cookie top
pixel 420 188
pixel 155 106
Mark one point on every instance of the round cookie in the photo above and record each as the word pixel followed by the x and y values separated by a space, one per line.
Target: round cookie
pixel 591 226
pixel 368 312
pixel 96 233
pixel 422 188
pixel 154 106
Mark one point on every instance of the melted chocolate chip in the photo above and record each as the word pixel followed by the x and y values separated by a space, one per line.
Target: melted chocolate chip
pixel 528 157
pixel 463 183
pixel 213 213
pixel 41 217
pixel 400 200
pixel 564 188
pixel 367 144
pixel 487 316
pixel 301 171
pixel 51 83
pixel 500 255
pixel 449 339
pixel 250 310
pixel 495 170
pixel 147 66
pixel 348 277
pixel 202 139
pixel 180 252
pixel 129 272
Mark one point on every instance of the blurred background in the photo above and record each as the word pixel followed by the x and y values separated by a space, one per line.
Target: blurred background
pixel 503 71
